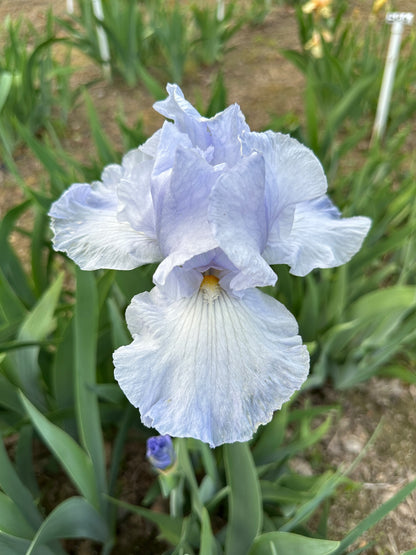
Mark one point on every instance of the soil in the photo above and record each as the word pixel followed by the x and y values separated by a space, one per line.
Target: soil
pixel 263 83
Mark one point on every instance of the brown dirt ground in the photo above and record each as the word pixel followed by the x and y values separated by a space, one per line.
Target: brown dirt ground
pixel 263 83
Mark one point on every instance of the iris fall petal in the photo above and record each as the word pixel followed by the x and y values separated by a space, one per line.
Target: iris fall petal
pixel 210 366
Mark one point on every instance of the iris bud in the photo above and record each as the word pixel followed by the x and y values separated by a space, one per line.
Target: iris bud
pixel 160 452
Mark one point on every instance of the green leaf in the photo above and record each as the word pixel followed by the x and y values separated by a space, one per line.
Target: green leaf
pixel 6 79
pixel 36 326
pixel 102 144
pixel 311 312
pixel 150 83
pixel 323 488
pixel 73 518
pixel 13 545
pixel 39 268
pixel 39 322
pixel 43 153
pixel 309 436
pixel 119 332
pixel 170 527
pixel 63 369
pixel 85 339
pixel 8 395
pixel 10 264
pixel 271 436
pixel 343 107
pixel 184 462
pixel 376 516
pixel 11 519
pixel 285 543
pixel 75 461
pixel 24 460
pixel 11 307
pixel 17 491
pixel 245 506
pixel 208 546
pixel 311 111
pixel 276 493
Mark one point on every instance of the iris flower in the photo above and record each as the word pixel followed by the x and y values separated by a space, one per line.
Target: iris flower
pixel 314 44
pixel 321 7
pixel 212 356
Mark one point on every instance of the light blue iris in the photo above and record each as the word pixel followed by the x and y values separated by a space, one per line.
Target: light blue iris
pixel 212 357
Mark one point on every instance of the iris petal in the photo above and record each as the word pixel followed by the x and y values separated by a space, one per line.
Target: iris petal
pixel 87 227
pixel 212 367
pixel 238 217
pixel 319 238
pixel 293 174
pixel 135 203
pixel 187 119
pixel 183 222
pixel 226 129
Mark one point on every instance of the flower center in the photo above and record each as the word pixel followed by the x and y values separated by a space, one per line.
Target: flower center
pixel 210 288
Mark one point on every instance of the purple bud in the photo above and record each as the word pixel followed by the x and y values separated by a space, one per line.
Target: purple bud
pixel 160 452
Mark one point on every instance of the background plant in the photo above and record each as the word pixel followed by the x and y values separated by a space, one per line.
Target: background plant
pixel 34 86
pixel 153 41
pixel 370 314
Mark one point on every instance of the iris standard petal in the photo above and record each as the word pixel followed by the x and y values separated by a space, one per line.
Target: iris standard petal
pixel 86 227
pixel 226 129
pixel 183 216
pixel 184 231
pixel 237 214
pixel 293 174
pixel 210 366
pixel 187 119
pixel 319 238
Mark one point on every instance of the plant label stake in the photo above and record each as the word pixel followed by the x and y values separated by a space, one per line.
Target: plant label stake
pixel 70 6
pixel 220 10
pixel 398 21
pixel 102 37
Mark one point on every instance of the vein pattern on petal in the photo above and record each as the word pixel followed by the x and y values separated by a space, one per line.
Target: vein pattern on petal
pixel 87 227
pixel 319 238
pixel 210 366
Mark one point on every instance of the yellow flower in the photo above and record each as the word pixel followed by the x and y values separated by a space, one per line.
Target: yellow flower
pixel 378 4
pixel 314 45
pixel 321 7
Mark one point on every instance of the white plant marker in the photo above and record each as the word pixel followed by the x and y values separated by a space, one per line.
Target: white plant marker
pixel 220 10
pixel 102 37
pixel 70 6
pixel 398 21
